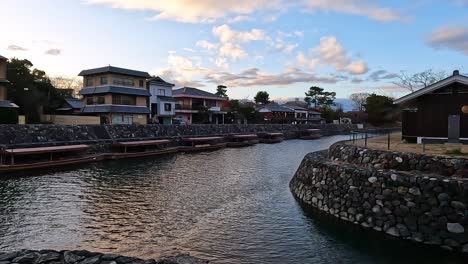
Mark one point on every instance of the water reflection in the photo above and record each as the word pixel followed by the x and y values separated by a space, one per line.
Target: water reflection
pixel 230 206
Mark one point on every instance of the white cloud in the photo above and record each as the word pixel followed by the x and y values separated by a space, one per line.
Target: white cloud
pixel 193 11
pixel 331 53
pixel 455 38
pixel 206 45
pixel 356 7
pixel 53 52
pixel 226 34
pixel 240 18
pixel 16 48
pixel 232 50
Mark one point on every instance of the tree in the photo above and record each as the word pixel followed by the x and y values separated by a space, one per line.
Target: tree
pixel 262 97
pixel 380 109
pixel 31 90
pixel 221 91
pixel 69 86
pixel 319 98
pixel 419 80
pixel 359 100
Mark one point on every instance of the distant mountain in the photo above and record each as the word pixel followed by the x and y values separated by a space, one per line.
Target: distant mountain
pixel 346 103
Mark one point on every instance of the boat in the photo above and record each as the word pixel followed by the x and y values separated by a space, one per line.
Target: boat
pixel 270 138
pixel 242 140
pixel 193 144
pixel 21 159
pixel 133 149
pixel 310 134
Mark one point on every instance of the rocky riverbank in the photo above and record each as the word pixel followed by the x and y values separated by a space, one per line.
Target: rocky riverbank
pixel 86 257
pixel 362 187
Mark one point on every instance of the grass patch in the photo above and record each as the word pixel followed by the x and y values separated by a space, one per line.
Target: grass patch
pixel 456 151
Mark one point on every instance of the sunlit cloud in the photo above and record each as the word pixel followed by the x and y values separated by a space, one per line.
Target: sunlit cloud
pixel 53 52
pixel 16 48
pixel 450 37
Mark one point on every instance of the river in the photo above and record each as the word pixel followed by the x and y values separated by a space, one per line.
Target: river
pixel 228 206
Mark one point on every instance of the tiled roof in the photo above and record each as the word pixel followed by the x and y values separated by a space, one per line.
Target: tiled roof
pixel 112 69
pixel 159 81
pixel 166 98
pixel 114 89
pixel 74 103
pixel 4 58
pixel 294 107
pixel 313 112
pixel 8 104
pixel 130 109
pixel 195 92
pixel 274 107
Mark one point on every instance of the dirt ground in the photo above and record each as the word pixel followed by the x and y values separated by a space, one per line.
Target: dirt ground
pixel 396 144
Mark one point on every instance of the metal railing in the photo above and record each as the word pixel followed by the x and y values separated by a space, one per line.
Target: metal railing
pixel 372 133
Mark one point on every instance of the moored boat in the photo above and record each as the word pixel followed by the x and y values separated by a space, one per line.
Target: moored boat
pixel 271 138
pixel 21 159
pixel 242 140
pixel 201 143
pixel 133 149
pixel 310 134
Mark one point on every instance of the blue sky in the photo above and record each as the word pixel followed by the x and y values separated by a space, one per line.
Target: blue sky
pixel 279 46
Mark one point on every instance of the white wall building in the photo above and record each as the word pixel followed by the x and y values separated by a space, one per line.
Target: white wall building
pixel 162 104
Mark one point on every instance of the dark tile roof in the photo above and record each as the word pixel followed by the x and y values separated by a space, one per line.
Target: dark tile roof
pixel 313 112
pixel 159 81
pixel 130 109
pixel 74 103
pixel 112 69
pixel 7 104
pixel 274 107
pixel 294 107
pixel 114 89
pixel 195 92
pixel 4 58
pixel 166 98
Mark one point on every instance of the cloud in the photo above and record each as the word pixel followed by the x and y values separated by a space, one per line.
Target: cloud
pixel 364 8
pixel 190 11
pixel 255 77
pixel 16 48
pixel 331 53
pixel 206 45
pixel 53 52
pixel 381 75
pixel 447 37
pixel 240 18
pixel 230 40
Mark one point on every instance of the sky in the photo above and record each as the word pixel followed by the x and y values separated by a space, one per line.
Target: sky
pixel 279 46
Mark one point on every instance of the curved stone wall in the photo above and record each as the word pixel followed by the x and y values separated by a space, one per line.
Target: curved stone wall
pixel 379 159
pixel 430 209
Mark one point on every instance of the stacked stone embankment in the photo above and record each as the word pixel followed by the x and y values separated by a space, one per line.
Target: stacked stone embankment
pixel 389 192
pixel 86 257
pixel 43 135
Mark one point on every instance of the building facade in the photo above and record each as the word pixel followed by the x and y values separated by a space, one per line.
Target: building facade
pixel 116 95
pixel 196 106
pixel 275 113
pixel 4 103
pixel 438 112
pixel 162 104
pixel 300 113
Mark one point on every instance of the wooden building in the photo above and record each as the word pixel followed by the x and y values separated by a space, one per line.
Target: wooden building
pixel 438 112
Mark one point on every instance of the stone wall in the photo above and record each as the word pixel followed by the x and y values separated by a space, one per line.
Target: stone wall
pixel 28 135
pixel 86 257
pixel 369 158
pixel 411 205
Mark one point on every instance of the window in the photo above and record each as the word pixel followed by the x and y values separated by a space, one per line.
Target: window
pixel 95 100
pixel 123 99
pixel 122 119
pixel 123 81
pixel 89 82
pixel 142 83
pixel 104 80
pixel 162 92
pixel 167 107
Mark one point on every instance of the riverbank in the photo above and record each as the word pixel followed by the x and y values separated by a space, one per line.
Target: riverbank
pixel 86 257
pixel 47 135
pixel 420 199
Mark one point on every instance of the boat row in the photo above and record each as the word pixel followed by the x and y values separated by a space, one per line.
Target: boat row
pixel 20 159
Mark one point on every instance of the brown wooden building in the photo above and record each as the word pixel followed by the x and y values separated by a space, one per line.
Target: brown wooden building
pixel 437 113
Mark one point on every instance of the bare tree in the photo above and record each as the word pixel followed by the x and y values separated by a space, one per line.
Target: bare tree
pixel 419 80
pixel 359 100
pixel 69 83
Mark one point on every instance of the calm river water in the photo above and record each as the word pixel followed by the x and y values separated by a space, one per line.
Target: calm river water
pixel 228 206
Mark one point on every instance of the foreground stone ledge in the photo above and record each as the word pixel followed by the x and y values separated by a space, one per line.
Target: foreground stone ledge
pixel 410 205
pixel 86 257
